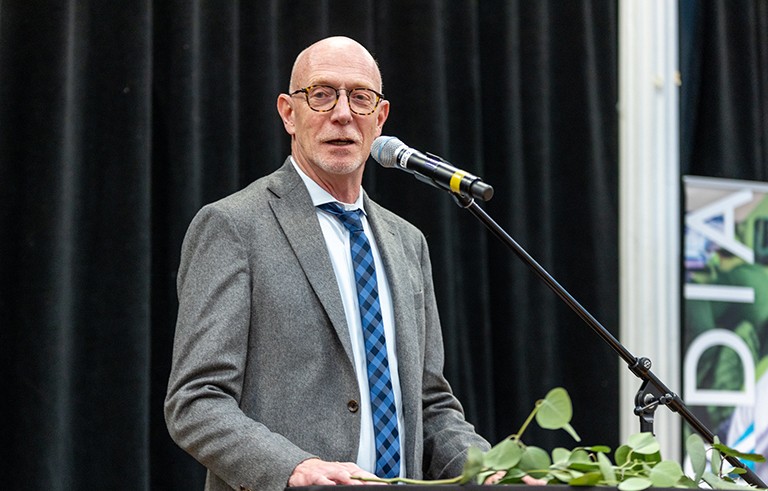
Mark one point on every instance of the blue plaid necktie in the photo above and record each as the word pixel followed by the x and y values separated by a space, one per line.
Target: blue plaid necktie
pixel 379 381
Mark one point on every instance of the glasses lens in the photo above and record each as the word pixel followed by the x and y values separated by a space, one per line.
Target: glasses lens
pixel 362 101
pixel 321 98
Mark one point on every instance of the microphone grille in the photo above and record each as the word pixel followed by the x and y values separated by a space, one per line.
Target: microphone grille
pixel 384 150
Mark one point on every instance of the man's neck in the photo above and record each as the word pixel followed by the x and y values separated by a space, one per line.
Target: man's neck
pixel 343 187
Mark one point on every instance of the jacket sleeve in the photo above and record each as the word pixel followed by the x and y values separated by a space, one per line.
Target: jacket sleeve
pixel 447 434
pixel 202 406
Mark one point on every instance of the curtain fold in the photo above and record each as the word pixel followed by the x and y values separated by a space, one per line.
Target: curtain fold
pixel 118 121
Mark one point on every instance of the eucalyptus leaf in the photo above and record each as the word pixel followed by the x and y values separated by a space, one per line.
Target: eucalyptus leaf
pixel 694 446
pixel 534 459
pixel 715 460
pixel 560 455
pixel 504 455
pixel 579 455
pixel 475 457
pixel 652 459
pixel 726 450
pixel 473 466
pixel 666 474
pixel 635 484
pixel 515 473
pixel 687 482
pixel 588 479
pixel 555 410
pixel 643 443
pixel 599 449
pixel 606 468
pixel 621 455
pixel 562 476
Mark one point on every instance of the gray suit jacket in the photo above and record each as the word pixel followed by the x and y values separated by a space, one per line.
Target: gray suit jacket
pixel 262 374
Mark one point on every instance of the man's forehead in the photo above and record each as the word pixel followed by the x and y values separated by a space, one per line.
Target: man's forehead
pixel 341 76
pixel 335 64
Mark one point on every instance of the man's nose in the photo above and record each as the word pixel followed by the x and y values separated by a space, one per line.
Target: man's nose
pixel 342 112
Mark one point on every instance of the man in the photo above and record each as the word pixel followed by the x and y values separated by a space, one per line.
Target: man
pixel 269 385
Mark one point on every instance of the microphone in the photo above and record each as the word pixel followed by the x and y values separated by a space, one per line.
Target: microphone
pixel 391 152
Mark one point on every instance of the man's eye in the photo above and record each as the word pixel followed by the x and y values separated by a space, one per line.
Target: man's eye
pixel 362 97
pixel 321 95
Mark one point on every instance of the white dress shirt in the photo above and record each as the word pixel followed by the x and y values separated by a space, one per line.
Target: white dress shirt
pixel 337 240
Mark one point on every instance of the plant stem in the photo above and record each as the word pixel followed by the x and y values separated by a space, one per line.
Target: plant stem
pixel 528 420
pixel 405 480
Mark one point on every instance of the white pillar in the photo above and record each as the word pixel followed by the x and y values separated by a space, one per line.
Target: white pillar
pixel 649 207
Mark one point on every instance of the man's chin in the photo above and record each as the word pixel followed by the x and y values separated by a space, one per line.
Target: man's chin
pixel 340 166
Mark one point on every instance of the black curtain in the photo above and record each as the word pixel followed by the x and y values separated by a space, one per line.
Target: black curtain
pixel 724 96
pixel 119 120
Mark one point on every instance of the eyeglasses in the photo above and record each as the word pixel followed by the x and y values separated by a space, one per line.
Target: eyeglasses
pixel 323 98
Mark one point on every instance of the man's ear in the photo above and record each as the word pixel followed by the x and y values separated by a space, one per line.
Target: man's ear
pixel 285 109
pixel 382 115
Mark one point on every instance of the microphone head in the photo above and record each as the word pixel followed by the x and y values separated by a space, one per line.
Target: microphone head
pixel 384 150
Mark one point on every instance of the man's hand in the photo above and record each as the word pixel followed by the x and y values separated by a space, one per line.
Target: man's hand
pixel 320 472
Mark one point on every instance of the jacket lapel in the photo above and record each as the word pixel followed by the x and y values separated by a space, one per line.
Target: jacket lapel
pixel 297 218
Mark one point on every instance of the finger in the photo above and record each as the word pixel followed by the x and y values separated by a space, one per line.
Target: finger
pixel 358 476
pixel 494 478
pixel 532 481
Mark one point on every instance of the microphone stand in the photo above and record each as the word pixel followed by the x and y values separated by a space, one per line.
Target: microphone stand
pixel 652 392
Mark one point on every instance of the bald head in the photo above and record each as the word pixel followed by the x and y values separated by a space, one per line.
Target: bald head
pixel 332 52
pixel 331 145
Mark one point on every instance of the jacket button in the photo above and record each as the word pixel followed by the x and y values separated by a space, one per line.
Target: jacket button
pixel 353 406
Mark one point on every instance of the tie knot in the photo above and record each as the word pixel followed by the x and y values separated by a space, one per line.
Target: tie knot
pixel 350 219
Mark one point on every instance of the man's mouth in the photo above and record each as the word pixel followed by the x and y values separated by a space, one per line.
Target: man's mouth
pixel 340 142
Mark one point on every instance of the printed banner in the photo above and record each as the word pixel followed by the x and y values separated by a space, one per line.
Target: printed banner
pixel 725 333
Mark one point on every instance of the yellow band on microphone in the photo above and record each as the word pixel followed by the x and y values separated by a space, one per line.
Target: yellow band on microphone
pixel 456 181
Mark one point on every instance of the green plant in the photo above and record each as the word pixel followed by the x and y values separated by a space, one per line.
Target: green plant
pixel 637 465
